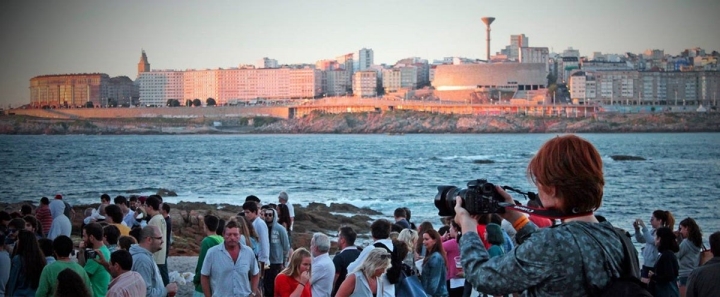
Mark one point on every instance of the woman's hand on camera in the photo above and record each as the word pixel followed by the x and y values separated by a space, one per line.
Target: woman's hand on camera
pixel 510 215
pixel 462 217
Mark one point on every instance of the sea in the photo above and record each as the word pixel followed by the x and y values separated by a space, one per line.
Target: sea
pixel 680 173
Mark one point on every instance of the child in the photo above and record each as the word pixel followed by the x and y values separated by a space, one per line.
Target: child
pixel 494 235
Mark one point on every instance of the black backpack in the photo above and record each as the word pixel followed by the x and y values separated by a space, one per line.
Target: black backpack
pixel 628 284
pixel 393 273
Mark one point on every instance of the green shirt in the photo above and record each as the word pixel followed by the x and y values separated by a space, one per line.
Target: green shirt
pixel 206 244
pixel 48 277
pixel 99 276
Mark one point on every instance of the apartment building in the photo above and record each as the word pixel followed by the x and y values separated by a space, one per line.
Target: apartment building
pixel 157 86
pixel 633 87
pixel 366 58
pixel 337 82
pixel 365 83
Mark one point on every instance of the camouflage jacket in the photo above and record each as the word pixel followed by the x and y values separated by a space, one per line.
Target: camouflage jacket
pixel 565 260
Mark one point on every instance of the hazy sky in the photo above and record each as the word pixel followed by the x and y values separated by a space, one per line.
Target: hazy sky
pixel 73 36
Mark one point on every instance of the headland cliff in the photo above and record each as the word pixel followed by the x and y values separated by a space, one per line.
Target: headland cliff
pixel 392 122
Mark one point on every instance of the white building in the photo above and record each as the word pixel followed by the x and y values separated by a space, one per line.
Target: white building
pixel 337 82
pixel 404 77
pixel 535 55
pixel 577 86
pixel 157 86
pixel 365 83
pixel 366 58
pixel 229 85
pixel 266 63
pixel 517 42
pixel 570 52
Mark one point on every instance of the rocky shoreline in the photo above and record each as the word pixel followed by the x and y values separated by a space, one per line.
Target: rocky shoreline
pixel 187 233
pixel 393 122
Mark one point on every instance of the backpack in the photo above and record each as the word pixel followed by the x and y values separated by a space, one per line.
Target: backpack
pixel 393 273
pixel 628 284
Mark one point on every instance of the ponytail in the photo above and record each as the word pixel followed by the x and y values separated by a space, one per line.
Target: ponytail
pixel 670 220
pixel 666 217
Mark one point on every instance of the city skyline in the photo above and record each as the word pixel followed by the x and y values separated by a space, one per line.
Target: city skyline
pixel 107 37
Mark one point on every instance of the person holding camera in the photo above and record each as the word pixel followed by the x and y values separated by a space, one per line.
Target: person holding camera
pixel 659 218
pixel 578 257
pixel 90 248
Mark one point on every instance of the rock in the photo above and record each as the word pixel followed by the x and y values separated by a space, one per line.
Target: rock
pixel 626 158
pixel 166 193
pixel 483 161
pixel 188 232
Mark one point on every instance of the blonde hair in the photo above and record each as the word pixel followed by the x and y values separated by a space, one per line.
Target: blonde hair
pixel 296 259
pixel 409 236
pixel 374 261
pixel 242 225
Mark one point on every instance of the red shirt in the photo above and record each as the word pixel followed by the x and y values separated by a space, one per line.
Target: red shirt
pixel 43 215
pixel 540 222
pixel 285 285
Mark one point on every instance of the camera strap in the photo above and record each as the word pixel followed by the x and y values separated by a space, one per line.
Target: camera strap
pixel 543 212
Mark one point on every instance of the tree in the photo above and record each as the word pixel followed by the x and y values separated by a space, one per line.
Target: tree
pixel 210 102
pixel 169 102
pixel 552 89
pixel 89 104
pixel 172 103
pixel 188 103
pixel 197 102
pixel 551 79
pixel 111 102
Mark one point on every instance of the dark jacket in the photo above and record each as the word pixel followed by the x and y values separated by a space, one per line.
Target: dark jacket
pixel 703 281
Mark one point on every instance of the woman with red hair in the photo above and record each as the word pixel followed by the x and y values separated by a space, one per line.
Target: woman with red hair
pixel 578 257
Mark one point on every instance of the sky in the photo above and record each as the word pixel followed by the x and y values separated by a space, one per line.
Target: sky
pixel 84 36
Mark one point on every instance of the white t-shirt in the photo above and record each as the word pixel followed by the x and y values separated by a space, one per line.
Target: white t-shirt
pixel 291 210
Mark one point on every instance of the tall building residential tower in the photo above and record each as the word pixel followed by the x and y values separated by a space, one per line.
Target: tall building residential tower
pixel 366 58
pixel 266 63
pixel 516 42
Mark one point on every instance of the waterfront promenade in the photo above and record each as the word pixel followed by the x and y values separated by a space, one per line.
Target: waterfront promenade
pixel 302 108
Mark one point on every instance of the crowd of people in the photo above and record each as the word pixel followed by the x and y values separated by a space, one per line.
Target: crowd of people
pixel 573 252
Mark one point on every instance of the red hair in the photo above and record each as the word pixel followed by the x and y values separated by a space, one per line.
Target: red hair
pixel 573 166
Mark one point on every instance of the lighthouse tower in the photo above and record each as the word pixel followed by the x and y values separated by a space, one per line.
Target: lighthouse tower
pixel 143 65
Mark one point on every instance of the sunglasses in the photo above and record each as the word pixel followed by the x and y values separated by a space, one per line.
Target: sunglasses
pixel 12 230
pixel 269 214
pixel 385 256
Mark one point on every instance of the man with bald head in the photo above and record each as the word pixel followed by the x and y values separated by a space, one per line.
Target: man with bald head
pixel 151 241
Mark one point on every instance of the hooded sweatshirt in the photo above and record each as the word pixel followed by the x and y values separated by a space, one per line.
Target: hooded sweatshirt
pixel 144 265
pixel 61 224
pixel 279 243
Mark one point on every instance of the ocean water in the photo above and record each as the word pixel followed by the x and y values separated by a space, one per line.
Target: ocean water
pixel 382 172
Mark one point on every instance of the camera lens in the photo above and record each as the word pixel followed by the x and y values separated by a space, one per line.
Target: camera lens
pixel 445 200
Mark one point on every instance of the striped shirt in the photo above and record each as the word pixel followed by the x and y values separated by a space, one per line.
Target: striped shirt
pixel 43 215
pixel 128 284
